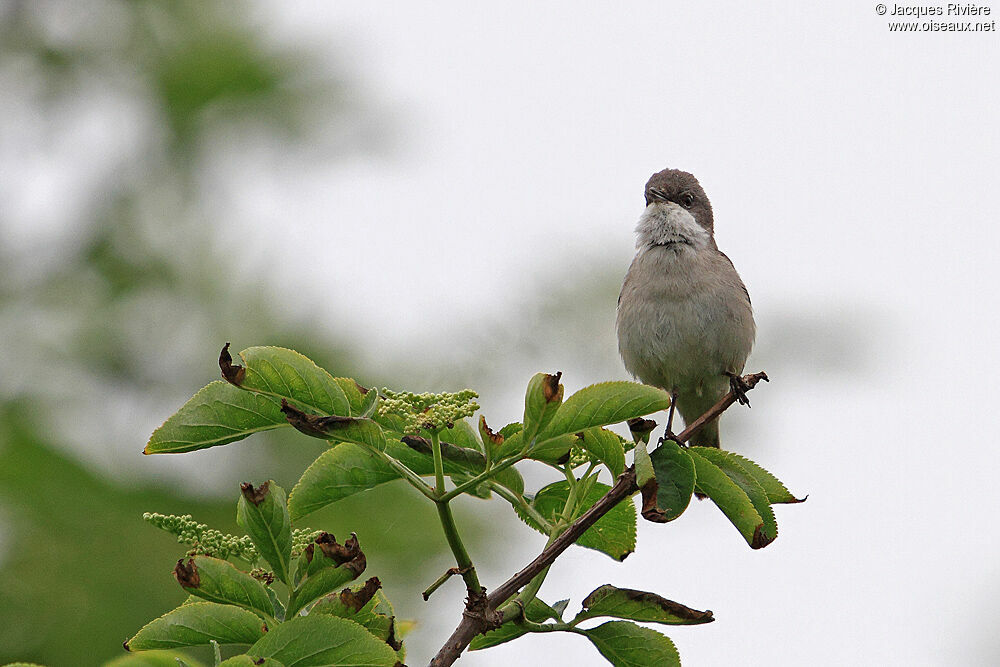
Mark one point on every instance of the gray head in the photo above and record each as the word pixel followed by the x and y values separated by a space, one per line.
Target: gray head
pixel 682 189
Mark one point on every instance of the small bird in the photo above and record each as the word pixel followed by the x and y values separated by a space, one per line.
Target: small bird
pixel 685 323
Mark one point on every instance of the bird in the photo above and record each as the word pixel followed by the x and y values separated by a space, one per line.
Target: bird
pixel 684 322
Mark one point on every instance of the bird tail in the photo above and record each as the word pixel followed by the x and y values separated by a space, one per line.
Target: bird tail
pixel 693 406
pixel 708 436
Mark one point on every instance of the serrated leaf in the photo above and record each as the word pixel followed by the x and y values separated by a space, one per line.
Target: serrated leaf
pixel 263 514
pixel 730 498
pixel 626 644
pixel 639 606
pixel 606 447
pixel 217 415
pixel 777 493
pixel 732 465
pixel 282 373
pixel 198 624
pixel 323 641
pixel 675 478
pixel 606 403
pixel 219 581
pixel 613 534
pixel 536 611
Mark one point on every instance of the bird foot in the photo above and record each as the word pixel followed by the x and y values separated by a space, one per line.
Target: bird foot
pixel 739 387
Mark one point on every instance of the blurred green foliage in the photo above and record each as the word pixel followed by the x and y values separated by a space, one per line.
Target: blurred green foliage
pixel 119 314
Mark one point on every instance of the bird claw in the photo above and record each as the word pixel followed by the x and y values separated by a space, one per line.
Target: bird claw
pixel 739 387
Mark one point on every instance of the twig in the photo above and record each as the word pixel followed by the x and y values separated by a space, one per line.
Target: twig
pixel 448 574
pixel 479 620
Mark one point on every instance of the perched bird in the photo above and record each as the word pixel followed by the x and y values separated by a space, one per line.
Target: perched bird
pixel 685 323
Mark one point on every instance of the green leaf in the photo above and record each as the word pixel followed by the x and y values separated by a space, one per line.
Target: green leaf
pixel 626 644
pixel 149 659
pixel 463 434
pixel 674 477
pixel 776 492
pixel 369 404
pixel 282 373
pixel 196 625
pixel 319 584
pixel 551 450
pixel 541 402
pixel 536 611
pixel 606 447
pixel 606 403
pixel 643 465
pixel 355 394
pixel 639 606
pixel 492 442
pixel 217 415
pixel 219 581
pixel 263 514
pixel 323 641
pixel 336 474
pixel 247 661
pixel 732 465
pixel 730 498
pixel 365 604
pixel 613 534
pixel 348 469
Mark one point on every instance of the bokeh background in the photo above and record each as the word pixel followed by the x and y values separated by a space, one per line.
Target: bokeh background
pixel 435 196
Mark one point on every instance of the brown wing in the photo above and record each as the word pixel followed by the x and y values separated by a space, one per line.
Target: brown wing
pixel 726 257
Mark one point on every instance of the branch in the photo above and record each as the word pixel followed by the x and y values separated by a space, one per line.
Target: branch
pixel 477 620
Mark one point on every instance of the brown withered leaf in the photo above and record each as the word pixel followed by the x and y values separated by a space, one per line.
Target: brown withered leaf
pixel 255 496
pixel 232 373
pixel 644 597
pixel 495 438
pixel 357 599
pixel 312 425
pixel 187 574
pixel 640 428
pixel 391 640
pixel 650 511
pixel 551 389
pixel 348 554
pixel 760 538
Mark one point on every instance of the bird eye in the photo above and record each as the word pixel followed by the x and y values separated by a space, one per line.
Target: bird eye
pixel 687 201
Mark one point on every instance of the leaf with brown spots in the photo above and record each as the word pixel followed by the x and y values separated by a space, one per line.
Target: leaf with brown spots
pixel 639 606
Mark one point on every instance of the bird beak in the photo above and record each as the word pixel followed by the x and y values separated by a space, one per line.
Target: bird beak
pixel 654 195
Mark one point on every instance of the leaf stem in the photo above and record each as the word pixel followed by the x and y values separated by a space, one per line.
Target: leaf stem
pixel 407 474
pixel 518 502
pixel 480 478
pixel 462 558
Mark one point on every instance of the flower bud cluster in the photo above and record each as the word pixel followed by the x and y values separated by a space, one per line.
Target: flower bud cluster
pixel 429 411
pixel 207 541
